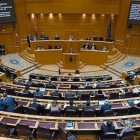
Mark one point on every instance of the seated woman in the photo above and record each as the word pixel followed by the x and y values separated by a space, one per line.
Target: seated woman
pixel 54 106
pixel 108 126
pixel 128 126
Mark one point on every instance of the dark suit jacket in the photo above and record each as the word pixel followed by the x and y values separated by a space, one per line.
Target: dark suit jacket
pixel 100 85
pixel 40 93
pixel 67 95
pixel 71 107
pixel 9 103
pixel 1 104
pixel 105 107
pixel 50 86
pixel 28 39
pixel 30 83
pixel 37 106
pixel 55 93
pixel 105 128
pixel 88 107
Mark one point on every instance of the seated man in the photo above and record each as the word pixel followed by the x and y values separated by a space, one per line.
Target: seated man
pixel 56 93
pixel 9 103
pixel 68 94
pixel 34 38
pixel 51 85
pixel 123 91
pixel 2 49
pixel 100 84
pixel 71 38
pixel 71 106
pixel 57 37
pixel 88 38
pixel 29 82
pixel 136 92
pixel 50 47
pixel 19 82
pixel 42 36
pixel 38 93
pixel 104 48
pixel 38 107
pixel 108 127
pixel 93 47
pixel 88 106
pixel 39 47
pixel 57 47
pixel 105 107
pixel 1 104
pixel 71 51
pixel 86 47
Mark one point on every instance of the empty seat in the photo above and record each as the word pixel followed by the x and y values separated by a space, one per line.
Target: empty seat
pixel 101 38
pixel 114 95
pixel 99 97
pixel 74 87
pixel 10 91
pixel 70 113
pixel 85 96
pixel 88 113
pixel 122 112
pixel 95 38
pixel 109 136
pixel 128 95
pixel 108 113
pixel 19 109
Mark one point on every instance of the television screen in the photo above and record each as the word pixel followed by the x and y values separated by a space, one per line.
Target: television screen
pixel 134 13
pixel 7 11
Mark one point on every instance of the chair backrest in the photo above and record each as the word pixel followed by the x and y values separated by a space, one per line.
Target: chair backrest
pixel 89 87
pixel 40 85
pixel 63 133
pixel 128 95
pixel 128 134
pixel 4 129
pixel 43 133
pixel 55 113
pixel 114 95
pixel 122 112
pixel 109 136
pixel 54 78
pixel 85 96
pixel 74 87
pixel 70 113
pixel 26 94
pixel 134 110
pixel 19 109
pixel 23 130
pixel 10 91
pixel 31 111
pixel 95 38
pixel 77 72
pixel 76 79
pixel 99 97
pixel 101 38
pixel 113 86
pixel 88 113
pixel 108 113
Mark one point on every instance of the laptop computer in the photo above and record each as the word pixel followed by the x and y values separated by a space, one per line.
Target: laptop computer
pixel 70 125
pixel 42 89
pixel 101 103
pixel 130 102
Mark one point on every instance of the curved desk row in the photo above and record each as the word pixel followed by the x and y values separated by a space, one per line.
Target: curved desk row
pixel 80 124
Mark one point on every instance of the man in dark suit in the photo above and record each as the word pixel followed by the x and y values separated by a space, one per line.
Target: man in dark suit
pixel 71 50
pixel 88 106
pixel 30 82
pixel 38 107
pixel 51 85
pixel 71 106
pixel 9 103
pixel 105 107
pixel 93 47
pixel 108 127
pixel 1 104
pixel 2 49
pixel 68 94
pixel 42 36
pixel 56 93
pixel 57 47
pixel 86 47
pixel 38 93
pixel 100 84
pixel 28 40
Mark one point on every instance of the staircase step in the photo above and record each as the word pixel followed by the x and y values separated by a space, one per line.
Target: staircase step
pixel 115 58
pixel 82 65
pixel 118 60
pixel 28 55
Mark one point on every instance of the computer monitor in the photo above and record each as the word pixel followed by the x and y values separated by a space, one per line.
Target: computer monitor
pixel 95 38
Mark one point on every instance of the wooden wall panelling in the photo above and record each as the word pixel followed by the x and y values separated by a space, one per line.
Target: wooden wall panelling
pixel 73 6
pixel 72 24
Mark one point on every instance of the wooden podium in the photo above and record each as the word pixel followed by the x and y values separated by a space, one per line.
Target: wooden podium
pixel 70 60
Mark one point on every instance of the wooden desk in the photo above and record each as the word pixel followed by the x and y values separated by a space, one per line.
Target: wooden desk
pixel 93 57
pixel 70 61
pixel 48 56
pixel 76 45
